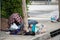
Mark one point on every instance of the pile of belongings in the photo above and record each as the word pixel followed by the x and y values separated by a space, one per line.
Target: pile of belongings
pixel 17 25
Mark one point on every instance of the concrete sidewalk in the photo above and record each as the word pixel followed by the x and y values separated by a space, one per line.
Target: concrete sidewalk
pixel 48 25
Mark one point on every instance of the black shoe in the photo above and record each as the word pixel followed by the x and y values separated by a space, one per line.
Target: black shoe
pixel 30 33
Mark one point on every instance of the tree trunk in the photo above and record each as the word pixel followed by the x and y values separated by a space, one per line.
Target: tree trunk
pixel 59 12
pixel 25 15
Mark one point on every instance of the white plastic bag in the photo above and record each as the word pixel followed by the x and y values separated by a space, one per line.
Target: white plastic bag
pixel 13 26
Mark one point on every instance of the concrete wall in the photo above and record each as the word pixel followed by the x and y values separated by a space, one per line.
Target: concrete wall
pixel 45 2
pixel 54 0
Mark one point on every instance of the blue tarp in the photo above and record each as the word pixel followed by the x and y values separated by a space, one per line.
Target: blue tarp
pixel 32 22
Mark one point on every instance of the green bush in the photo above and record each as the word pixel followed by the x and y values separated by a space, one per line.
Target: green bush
pixel 11 6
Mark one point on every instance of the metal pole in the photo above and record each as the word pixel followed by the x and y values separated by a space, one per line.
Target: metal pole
pixel 48 2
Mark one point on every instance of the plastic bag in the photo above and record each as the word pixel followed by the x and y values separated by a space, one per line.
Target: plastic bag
pixel 13 26
pixel 54 18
